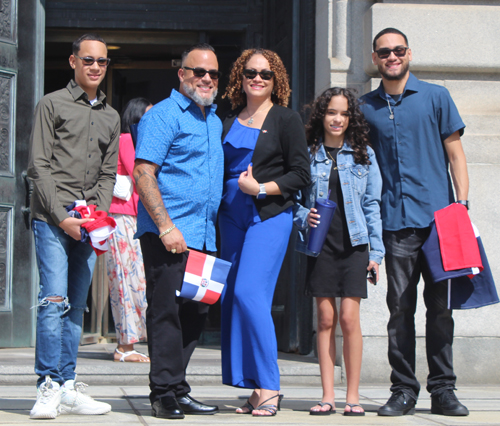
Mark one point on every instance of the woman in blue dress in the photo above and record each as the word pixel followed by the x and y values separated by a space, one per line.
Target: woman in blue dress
pixel 265 161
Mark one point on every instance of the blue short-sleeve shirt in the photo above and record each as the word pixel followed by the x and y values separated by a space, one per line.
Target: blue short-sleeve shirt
pixel 187 148
pixel 410 151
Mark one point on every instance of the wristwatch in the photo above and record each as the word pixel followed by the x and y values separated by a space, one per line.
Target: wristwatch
pixel 464 203
pixel 262 192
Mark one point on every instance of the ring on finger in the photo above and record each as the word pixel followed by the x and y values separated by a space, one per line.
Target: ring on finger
pixel 173 251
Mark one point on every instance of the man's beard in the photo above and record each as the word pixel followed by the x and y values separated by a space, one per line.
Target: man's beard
pixel 197 98
pixel 405 66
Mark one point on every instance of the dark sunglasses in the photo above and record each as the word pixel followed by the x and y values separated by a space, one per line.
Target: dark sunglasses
pixel 251 74
pixel 385 52
pixel 201 72
pixel 89 60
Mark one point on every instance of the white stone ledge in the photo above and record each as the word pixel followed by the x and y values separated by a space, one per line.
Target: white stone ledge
pixel 443 38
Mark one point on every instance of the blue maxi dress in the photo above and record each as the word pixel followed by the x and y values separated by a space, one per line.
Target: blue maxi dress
pixel 256 249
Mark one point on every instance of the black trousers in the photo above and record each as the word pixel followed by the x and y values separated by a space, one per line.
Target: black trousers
pixel 173 324
pixel 404 264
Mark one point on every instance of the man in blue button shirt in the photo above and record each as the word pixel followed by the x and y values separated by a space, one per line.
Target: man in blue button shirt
pixel 178 173
pixel 415 131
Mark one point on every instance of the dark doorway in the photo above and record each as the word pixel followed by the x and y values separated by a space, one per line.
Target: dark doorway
pixel 143 63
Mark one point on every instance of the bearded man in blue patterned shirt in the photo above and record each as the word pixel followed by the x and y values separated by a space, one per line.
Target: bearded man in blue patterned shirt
pixel 178 172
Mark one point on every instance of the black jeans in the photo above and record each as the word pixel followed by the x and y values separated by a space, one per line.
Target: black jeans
pixel 173 324
pixel 404 264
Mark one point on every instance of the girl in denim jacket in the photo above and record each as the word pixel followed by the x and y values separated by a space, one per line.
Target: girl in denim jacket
pixel 341 161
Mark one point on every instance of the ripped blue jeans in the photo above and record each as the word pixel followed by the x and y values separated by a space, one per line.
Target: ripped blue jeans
pixel 65 267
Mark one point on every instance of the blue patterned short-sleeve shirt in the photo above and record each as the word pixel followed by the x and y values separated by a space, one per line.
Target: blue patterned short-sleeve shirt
pixel 187 148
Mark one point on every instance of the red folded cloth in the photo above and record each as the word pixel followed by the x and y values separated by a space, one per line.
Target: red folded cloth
pixel 457 241
pixel 99 229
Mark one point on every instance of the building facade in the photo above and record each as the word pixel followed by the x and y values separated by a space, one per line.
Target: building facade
pixel 323 43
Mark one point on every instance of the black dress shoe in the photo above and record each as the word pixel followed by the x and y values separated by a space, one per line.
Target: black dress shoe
pixel 191 406
pixel 399 404
pixel 446 403
pixel 167 408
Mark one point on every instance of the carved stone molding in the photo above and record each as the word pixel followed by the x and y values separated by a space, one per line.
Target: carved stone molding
pixel 340 60
pixel 6 20
pixel 6 121
pixel 4 245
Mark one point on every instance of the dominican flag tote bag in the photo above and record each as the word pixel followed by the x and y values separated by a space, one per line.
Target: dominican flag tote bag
pixel 205 278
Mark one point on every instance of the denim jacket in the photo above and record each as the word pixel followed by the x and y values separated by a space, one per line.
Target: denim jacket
pixel 361 188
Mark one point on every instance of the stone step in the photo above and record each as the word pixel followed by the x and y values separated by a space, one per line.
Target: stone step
pixel 96 367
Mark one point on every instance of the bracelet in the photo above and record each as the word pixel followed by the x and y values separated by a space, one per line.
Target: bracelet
pixel 168 231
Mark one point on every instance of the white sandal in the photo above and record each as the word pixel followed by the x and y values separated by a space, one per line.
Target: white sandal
pixel 124 356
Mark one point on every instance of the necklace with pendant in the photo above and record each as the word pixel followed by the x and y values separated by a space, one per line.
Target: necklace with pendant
pixel 391 116
pixel 333 159
pixel 250 120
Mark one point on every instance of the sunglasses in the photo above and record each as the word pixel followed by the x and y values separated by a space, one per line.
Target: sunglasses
pixel 385 52
pixel 201 72
pixel 89 60
pixel 251 74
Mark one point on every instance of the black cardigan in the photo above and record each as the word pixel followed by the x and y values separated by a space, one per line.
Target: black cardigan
pixel 280 155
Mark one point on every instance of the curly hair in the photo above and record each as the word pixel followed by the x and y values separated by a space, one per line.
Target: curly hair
pixel 356 133
pixel 281 91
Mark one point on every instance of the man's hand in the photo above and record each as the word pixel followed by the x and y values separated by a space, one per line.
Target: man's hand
pixel 71 225
pixel 147 187
pixel 174 240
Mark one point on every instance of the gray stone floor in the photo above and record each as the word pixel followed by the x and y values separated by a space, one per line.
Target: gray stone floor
pixel 131 407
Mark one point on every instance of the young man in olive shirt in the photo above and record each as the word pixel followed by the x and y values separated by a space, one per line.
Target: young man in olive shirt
pixel 73 156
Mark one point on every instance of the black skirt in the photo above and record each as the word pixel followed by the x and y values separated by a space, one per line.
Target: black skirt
pixel 340 268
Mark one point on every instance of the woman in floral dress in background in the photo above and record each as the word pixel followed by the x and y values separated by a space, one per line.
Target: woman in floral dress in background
pixel 127 283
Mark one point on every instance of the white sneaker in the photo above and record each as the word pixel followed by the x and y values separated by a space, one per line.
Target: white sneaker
pixel 47 402
pixel 75 401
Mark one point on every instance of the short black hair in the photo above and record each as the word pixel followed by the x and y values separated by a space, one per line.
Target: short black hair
pixel 89 36
pixel 388 31
pixel 133 112
pixel 199 46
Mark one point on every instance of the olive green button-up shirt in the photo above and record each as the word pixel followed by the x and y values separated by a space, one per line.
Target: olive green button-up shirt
pixel 73 153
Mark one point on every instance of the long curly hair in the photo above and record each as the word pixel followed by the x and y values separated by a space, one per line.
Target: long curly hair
pixel 356 133
pixel 281 91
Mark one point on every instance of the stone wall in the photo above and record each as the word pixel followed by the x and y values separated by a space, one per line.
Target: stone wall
pixel 454 44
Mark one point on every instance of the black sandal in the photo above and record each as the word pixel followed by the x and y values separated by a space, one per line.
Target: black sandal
pixel 353 413
pixel 270 408
pixel 321 412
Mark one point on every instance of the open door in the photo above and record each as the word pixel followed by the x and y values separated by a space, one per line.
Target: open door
pixel 21 77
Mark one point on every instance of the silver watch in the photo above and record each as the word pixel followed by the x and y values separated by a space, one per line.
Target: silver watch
pixel 262 192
